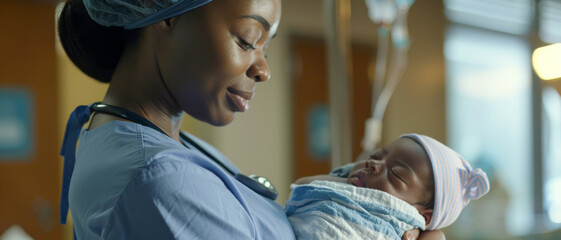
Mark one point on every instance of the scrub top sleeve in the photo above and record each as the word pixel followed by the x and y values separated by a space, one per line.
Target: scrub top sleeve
pixel 182 200
pixel 342 171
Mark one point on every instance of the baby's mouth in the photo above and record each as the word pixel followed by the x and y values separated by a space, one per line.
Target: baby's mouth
pixel 357 179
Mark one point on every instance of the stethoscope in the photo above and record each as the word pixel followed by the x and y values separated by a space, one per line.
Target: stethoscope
pixel 258 184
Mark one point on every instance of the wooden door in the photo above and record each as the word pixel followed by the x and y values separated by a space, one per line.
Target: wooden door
pixel 29 177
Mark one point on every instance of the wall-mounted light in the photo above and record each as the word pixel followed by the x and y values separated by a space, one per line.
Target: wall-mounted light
pixel 547 61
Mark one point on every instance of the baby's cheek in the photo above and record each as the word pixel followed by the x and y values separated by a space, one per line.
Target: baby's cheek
pixel 385 187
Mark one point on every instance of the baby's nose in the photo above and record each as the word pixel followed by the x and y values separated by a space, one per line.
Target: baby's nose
pixel 374 166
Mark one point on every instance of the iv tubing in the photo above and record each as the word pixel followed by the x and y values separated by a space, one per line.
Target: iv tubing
pixel 380 100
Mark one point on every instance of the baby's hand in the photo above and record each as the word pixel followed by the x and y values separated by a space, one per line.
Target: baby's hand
pixel 309 179
pixel 432 235
pixel 425 235
pixel 412 234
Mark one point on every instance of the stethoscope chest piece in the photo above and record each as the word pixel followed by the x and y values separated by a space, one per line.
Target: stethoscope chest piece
pixel 258 184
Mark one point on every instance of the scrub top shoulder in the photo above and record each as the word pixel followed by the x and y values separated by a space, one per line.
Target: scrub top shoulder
pixel 133 182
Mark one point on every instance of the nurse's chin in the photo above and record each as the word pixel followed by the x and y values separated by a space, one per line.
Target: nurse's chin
pixel 223 119
pixel 218 118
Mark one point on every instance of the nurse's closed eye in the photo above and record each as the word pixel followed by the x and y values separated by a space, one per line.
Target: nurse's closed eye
pixel 245 45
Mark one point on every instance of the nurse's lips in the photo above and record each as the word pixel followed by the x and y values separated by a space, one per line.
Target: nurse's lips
pixel 239 99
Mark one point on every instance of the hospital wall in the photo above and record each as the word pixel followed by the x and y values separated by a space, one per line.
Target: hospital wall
pixel 30 178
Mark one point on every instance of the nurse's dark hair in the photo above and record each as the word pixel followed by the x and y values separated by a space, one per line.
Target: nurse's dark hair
pixel 93 48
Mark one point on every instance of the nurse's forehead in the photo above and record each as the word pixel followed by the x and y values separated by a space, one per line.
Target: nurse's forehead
pixel 264 6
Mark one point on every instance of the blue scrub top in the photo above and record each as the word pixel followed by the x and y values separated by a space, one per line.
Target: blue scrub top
pixel 133 182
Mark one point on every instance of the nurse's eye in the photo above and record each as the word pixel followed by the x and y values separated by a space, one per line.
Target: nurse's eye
pixel 246 45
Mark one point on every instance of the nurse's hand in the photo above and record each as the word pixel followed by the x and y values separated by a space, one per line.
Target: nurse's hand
pixel 426 235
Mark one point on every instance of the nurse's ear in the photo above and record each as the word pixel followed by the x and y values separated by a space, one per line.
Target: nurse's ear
pixel 158 34
pixel 167 24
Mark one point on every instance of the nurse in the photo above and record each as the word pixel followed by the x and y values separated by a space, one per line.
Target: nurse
pixel 134 175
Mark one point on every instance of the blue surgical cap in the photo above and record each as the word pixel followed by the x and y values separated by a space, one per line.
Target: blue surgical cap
pixel 131 14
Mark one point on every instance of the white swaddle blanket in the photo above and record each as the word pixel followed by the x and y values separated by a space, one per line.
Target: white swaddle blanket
pixel 332 210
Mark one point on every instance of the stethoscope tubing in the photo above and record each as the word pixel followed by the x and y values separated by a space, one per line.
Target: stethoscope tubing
pixel 258 184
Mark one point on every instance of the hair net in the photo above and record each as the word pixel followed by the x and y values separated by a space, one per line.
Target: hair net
pixel 131 14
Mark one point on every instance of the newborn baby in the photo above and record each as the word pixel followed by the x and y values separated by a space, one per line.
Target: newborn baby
pixel 416 177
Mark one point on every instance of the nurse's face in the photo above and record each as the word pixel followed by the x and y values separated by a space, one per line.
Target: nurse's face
pixel 401 168
pixel 213 58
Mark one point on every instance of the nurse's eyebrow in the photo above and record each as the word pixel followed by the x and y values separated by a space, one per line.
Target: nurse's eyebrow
pixel 260 19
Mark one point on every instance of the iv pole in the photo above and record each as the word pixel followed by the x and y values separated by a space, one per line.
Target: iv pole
pixel 391 17
pixel 337 14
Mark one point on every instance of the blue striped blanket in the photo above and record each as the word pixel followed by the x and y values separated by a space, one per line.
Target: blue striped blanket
pixel 332 210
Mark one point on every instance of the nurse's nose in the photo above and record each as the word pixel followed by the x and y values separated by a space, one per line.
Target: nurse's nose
pixel 259 71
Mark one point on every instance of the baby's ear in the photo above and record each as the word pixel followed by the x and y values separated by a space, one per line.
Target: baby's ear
pixel 427 215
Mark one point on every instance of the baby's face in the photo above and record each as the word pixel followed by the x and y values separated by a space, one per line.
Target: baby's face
pixel 401 168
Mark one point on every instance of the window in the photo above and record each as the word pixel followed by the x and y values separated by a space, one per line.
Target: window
pixel 490 113
pixel 550 20
pixel 551 140
pixel 489 120
pixel 510 16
